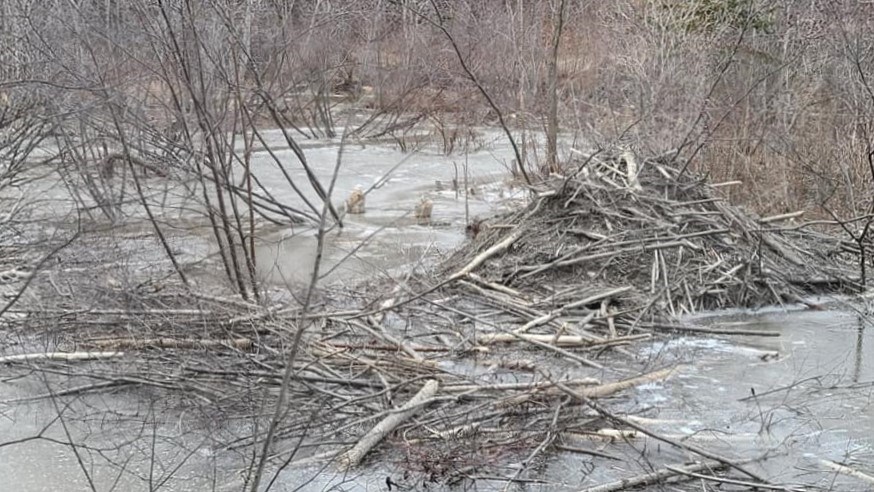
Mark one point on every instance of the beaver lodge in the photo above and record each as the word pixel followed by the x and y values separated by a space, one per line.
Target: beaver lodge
pixel 503 355
pixel 488 368
pixel 664 238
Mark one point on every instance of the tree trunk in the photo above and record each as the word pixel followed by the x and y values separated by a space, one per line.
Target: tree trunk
pixel 552 76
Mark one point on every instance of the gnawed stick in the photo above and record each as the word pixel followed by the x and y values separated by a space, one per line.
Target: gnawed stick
pixel 620 341
pixel 553 348
pixel 354 456
pixel 560 341
pixel 608 389
pixel 180 343
pixel 626 434
pixel 591 452
pixel 726 183
pixel 664 327
pixel 493 295
pixel 461 388
pixel 602 390
pixel 604 435
pixel 225 301
pixel 598 297
pixel 64 356
pixel 777 218
pixel 77 390
pixel 546 318
pixel 846 470
pixel 378 331
pixel 731 481
pixel 497 287
pixel 653 477
pixel 389 347
pixel 673 442
pixel 496 248
pixel 607 312
pixel 485 255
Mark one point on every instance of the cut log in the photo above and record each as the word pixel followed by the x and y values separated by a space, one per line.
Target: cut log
pixel 354 456
pixel 62 356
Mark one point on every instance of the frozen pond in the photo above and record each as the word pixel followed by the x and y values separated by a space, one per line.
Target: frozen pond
pixel 805 397
pixel 460 187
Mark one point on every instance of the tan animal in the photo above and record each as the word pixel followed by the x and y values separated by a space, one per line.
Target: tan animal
pixel 474 228
pixel 423 210
pixel 355 202
pixel 4 100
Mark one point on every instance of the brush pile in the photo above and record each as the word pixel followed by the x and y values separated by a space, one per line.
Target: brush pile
pixel 479 377
pixel 665 234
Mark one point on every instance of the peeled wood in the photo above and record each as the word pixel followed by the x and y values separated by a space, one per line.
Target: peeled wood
pixel 632 170
pixel 730 481
pixel 603 390
pixel 498 287
pixel 354 456
pixel 64 356
pixel 709 331
pixel 608 434
pixel 673 442
pixel 846 470
pixel 519 386
pixel 561 341
pixel 485 255
pixel 615 434
pixel 558 350
pixel 726 183
pixel 654 477
pixel 776 218
pixel 612 388
pixel 186 343
pixel 495 249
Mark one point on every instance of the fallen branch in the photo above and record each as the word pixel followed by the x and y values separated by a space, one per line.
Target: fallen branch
pixel 846 470
pixel 709 331
pixel 485 255
pixel 354 456
pixel 558 341
pixel 64 356
pixel 777 218
pixel 553 348
pixel 591 452
pixel 461 388
pixel 176 343
pixel 496 248
pixel 653 477
pixel 731 481
pixel 613 388
pixel 78 390
pixel 688 447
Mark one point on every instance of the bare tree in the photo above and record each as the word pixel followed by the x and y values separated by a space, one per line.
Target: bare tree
pixel 552 80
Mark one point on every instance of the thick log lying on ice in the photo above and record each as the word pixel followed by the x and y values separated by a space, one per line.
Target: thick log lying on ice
pixel 354 456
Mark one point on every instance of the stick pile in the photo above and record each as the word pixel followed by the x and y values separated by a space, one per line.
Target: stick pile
pixel 666 234
pixel 501 363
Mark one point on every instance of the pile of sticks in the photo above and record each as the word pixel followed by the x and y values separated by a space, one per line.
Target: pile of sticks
pixel 502 362
pixel 666 234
